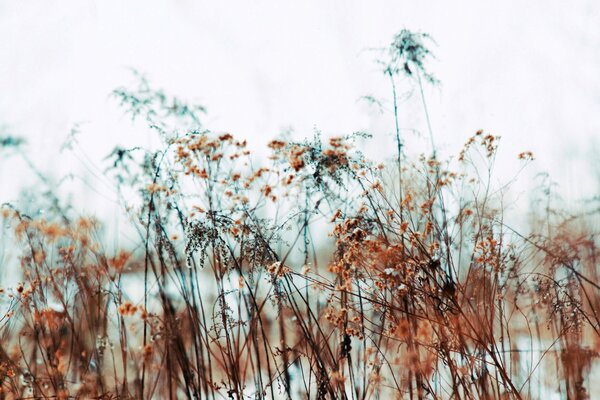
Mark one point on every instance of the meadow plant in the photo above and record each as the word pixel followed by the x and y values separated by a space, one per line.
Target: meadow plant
pixel 313 273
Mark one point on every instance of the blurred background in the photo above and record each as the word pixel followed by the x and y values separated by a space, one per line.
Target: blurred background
pixel 527 71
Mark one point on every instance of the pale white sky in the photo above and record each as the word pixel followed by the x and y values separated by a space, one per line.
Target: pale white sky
pixel 525 70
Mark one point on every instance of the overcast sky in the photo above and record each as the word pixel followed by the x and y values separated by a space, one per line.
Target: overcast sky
pixel 525 70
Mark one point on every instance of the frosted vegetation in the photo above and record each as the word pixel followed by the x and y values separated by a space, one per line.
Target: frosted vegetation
pixel 314 272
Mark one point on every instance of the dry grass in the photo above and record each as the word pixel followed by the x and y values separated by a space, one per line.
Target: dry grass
pixel 421 291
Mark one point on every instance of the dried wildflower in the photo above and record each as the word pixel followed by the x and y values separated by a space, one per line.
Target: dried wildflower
pixel 375 378
pixel 296 158
pixel 143 313
pixel 526 155
pixel 52 231
pixel 147 352
pixel 267 190
pixel 336 215
pixel 127 308
pixel 338 143
pixel 403 227
pixel 430 295
pixel 6 213
pixel 289 179
pixel 337 378
pixel 277 269
pixel 120 260
pixel 276 144
pixel 154 188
